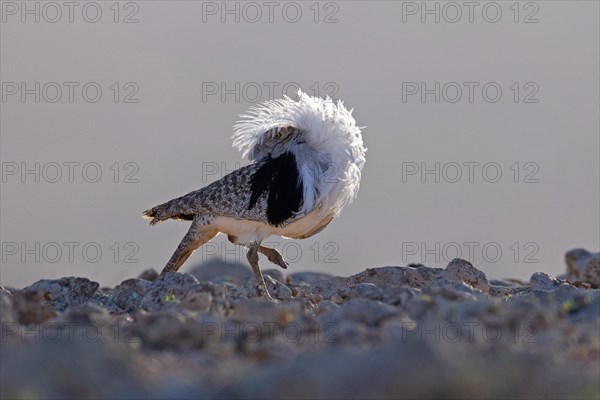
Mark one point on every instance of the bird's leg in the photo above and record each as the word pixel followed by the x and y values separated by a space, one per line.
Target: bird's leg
pixel 274 256
pixel 196 237
pixel 253 260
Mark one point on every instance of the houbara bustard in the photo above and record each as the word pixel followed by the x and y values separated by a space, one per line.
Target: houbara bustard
pixel 306 157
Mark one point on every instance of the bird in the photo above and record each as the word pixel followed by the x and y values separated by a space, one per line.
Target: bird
pixel 305 158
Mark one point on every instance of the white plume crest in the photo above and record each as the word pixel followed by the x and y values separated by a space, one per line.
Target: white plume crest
pixel 331 159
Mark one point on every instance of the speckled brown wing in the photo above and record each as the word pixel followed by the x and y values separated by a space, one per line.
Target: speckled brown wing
pixel 268 191
pixel 229 196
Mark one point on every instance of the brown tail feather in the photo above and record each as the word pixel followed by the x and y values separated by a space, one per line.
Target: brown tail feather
pixel 153 214
pixel 170 210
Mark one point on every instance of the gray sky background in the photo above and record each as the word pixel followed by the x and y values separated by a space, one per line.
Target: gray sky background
pixel 176 138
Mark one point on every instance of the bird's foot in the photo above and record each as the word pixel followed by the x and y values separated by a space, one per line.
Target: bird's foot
pixel 253 260
pixel 274 256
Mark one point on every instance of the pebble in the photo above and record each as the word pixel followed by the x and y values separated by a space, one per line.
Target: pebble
pixel 583 266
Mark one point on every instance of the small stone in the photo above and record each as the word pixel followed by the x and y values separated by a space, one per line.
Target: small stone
pixel 453 291
pixel 505 292
pixel 64 292
pixel 277 289
pixel 363 311
pixel 167 290
pixel 315 298
pixel 31 307
pixel 325 305
pixel 503 283
pixel 459 270
pixel 328 289
pixel 397 295
pixel 417 276
pixel 543 281
pixel 309 278
pixel 267 310
pixel 583 266
pixel 275 274
pixel 86 314
pixel 166 329
pixel 149 274
pixel 218 271
pixel 197 301
pixel 362 290
pixel 6 308
pixel 129 294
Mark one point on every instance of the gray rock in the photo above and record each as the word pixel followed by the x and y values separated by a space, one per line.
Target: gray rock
pixel 325 305
pixel 459 270
pixel 543 281
pixel 584 306
pixel 269 311
pixel 200 301
pixel 6 306
pixel 276 274
pixel 86 314
pixel 326 288
pixel 75 367
pixel 104 297
pixel 308 278
pixel 503 283
pixel 167 289
pixel 507 291
pixel 417 276
pixel 64 292
pixel 166 329
pixel 583 266
pixel 149 274
pixel 277 289
pixel 128 295
pixel 31 307
pixel 218 271
pixel 397 295
pixel 393 295
pixel 362 290
pixel 249 289
pixel 362 311
pixel 453 291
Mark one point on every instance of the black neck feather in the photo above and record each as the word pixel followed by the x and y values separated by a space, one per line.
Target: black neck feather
pixel 280 179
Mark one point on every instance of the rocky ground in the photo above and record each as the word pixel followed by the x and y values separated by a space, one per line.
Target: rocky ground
pixel 390 332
